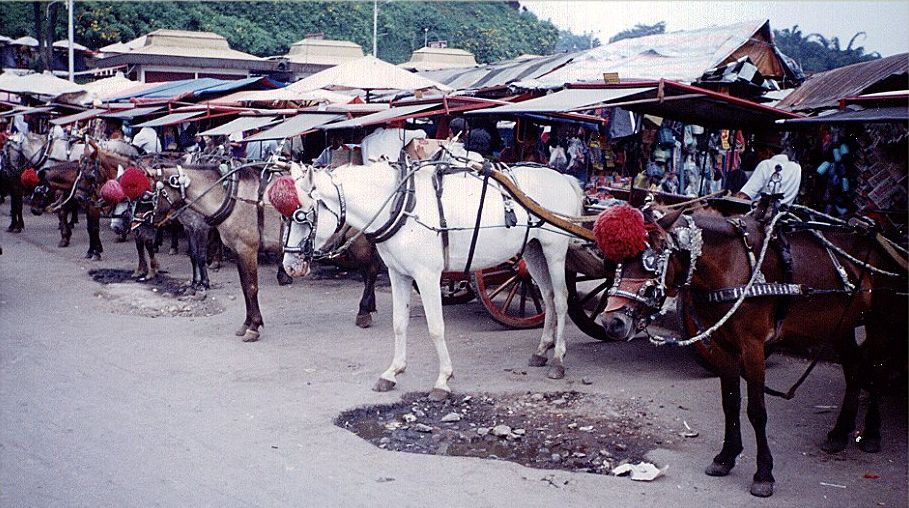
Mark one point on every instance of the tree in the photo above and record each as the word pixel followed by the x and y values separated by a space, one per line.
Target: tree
pixel 816 53
pixel 639 30
pixel 569 41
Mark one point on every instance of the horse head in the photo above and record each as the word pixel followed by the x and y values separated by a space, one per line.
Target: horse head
pixel 311 223
pixel 644 281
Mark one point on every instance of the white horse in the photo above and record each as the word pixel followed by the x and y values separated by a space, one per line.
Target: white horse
pixel 359 195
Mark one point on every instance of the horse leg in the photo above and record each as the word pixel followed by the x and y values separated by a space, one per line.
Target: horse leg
pixel 431 295
pixel 754 369
pixel 15 210
pixel 193 259
pixel 878 349
pixel 153 260
pixel 142 269
pixel 249 281
pixel 174 230
pixel 93 223
pixel 284 279
pixel 214 254
pixel 537 268
pixel 66 231
pixel 725 364
pixel 400 317
pixel 200 251
pixel 369 271
pixel 838 437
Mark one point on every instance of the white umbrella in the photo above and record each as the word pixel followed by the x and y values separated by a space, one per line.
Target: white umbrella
pixel 25 41
pixel 367 73
pixel 65 44
pixel 37 84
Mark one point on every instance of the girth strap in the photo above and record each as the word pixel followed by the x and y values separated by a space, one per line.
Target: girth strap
pixel 437 183
pixel 230 200
pixel 403 204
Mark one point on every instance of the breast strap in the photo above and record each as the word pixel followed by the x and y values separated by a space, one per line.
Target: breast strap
pixel 404 203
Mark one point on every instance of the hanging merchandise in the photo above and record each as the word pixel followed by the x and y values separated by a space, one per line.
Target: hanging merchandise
pixel 665 137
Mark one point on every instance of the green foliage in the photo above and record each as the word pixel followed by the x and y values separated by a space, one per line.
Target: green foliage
pixel 815 53
pixel 491 30
pixel 569 41
pixel 639 30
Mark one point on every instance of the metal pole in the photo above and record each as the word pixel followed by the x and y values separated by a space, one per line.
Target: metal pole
pixel 70 6
pixel 375 28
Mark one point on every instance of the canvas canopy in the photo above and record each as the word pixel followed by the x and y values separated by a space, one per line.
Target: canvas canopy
pixel 382 117
pixel 570 99
pixel 242 124
pixel 171 119
pixel 367 73
pixel 295 126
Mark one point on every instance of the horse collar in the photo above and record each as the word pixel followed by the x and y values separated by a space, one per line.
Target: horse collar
pixel 230 199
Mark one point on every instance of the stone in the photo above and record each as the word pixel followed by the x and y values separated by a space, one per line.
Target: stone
pixel 585 381
pixel 561 401
pixel 555 457
pixel 519 432
pixel 501 430
pixel 483 431
pixel 451 417
pixel 384 441
pixel 537 397
pixel 409 418
pixel 572 425
pixel 422 427
pixel 620 447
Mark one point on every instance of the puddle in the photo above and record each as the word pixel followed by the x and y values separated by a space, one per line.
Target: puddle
pixel 569 431
pixel 163 296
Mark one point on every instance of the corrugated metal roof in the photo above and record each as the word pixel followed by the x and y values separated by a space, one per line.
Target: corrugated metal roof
pixel 679 56
pixel 171 119
pixel 566 100
pixel 198 88
pixel 295 126
pixel 870 115
pixel 242 124
pixel 381 117
pixel 825 89
pixel 499 73
pixel 129 114
pixel 82 115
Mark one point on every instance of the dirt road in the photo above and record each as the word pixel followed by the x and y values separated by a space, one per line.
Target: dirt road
pixel 113 395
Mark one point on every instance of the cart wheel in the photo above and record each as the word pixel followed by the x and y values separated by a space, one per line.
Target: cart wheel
pixel 587 297
pixel 510 295
pixel 456 291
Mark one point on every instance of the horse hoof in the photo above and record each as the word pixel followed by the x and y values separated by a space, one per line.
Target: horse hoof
pixel 96 257
pixel 172 252
pixel 870 445
pixel 285 281
pixel 251 335
pixel 537 360
pixel 715 469
pixel 89 254
pixel 556 372
pixel 834 444
pixel 364 320
pixel 438 394
pixel 241 331
pixel 63 243
pixel 383 385
pixel 761 489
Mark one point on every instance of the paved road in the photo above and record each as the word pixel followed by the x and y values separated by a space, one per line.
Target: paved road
pixel 106 409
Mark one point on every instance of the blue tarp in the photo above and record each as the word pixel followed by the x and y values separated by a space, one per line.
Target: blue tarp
pixel 201 88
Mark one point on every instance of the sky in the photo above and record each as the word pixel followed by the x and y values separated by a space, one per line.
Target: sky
pixel 885 22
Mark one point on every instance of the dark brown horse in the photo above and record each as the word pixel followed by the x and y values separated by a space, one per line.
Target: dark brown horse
pixel 77 185
pixel 837 282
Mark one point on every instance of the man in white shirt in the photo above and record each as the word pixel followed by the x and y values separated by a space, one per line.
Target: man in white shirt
pixel 776 174
pixel 147 141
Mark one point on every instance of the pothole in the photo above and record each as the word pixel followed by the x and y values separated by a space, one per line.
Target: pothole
pixel 163 296
pixel 570 431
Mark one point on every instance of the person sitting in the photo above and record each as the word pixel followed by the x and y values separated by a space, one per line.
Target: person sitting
pixel 146 141
pixel 324 158
pixel 773 162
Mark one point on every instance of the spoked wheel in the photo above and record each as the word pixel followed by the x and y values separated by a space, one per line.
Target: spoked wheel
pixel 587 297
pixel 510 295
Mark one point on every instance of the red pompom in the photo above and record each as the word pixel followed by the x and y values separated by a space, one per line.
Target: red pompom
pixel 620 232
pixel 29 178
pixel 283 196
pixel 134 183
pixel 112 192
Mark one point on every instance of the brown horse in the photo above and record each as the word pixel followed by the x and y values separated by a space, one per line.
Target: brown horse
pixel 246 225
pixel 839 280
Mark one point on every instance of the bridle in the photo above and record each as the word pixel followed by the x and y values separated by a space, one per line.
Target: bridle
pixel 651 293
pixel 309 217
